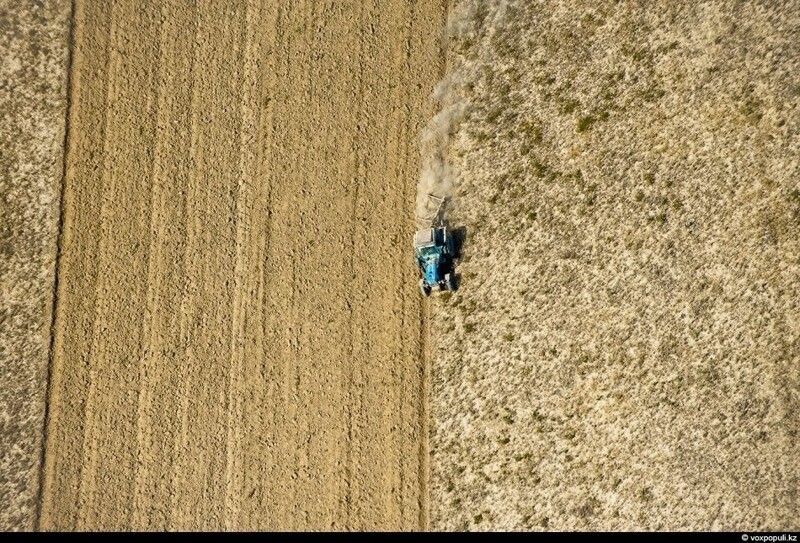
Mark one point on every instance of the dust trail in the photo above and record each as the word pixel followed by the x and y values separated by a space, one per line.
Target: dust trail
pixel 468 19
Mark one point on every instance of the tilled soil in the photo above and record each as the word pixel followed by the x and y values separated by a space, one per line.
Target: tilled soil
pixel 238 334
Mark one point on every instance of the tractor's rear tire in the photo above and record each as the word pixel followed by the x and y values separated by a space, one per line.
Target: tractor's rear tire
pixel 424 290
pixel 450 282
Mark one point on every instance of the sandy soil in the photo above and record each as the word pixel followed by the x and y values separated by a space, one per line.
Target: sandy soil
pixel 238 339
pixel 33 41
pixel 624 350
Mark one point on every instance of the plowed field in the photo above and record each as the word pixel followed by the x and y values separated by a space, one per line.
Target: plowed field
pixel 239 341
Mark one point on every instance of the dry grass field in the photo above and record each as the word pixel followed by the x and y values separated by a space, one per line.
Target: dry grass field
pixel 624 350
pixel 33 42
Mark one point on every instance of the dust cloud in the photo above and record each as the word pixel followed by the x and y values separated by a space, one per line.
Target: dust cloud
pixel 437 176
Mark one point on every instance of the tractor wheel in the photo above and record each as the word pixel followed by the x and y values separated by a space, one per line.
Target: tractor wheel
pixel 424 290
pixel 450 282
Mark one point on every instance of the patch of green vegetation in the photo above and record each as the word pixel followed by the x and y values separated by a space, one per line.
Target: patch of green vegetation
pixel 570 40
pixel 584 511
pixel 641 55
pixel 545 80
pixel 488 75
pixel 494 115
pixel 506 44
pixel 508 337
pixel 501 182
pixel 539 168
pixel 468 307
pixel 639 195
pixel 652 94
pixel 708 374
pixel 608 94
pixel 469 327
pixel 591 195
pixel 6 239
pixel 590 19
pixel 504 89
pixel 464 45
pixel 615 76
pixel 482 136
pixel 752 109
pixel 531 130
pixel 569 105
pixel 585 123
pixel 576 176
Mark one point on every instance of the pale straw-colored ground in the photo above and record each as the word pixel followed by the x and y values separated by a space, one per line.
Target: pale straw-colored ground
pixel 33 56
pixel 624 351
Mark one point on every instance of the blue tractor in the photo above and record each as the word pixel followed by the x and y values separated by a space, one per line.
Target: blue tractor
pixel 435 254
